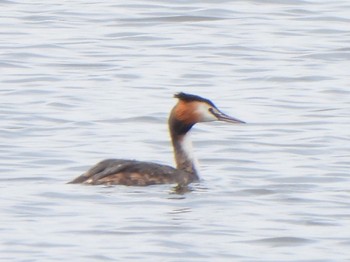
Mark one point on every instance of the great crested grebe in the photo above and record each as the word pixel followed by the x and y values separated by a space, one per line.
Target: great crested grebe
pixel 189 110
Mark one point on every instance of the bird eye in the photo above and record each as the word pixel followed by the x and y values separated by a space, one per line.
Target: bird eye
pixel 213 111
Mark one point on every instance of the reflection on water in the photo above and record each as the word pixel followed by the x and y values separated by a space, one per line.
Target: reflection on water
pixel 83 82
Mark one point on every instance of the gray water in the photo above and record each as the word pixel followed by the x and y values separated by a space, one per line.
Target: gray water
pixel 82 81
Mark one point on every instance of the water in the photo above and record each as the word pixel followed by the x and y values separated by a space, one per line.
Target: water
pixel 84 81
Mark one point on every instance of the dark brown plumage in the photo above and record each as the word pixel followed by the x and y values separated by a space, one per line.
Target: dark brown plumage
pixel 133 173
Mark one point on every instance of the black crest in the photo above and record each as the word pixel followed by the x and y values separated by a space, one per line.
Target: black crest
pixel 192 98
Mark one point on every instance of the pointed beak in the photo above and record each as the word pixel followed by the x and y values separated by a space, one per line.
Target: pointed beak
pixel 223 117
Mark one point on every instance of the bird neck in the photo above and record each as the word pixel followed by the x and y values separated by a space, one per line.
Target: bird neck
pixel 182 145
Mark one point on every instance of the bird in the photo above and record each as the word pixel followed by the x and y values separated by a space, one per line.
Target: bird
pixel 189 110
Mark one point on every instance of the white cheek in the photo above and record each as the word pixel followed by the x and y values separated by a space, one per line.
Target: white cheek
pixel 205 115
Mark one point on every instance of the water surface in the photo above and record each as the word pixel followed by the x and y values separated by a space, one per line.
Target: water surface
pixel 84 81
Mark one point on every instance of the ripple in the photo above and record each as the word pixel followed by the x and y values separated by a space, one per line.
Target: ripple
pixel 284 241
pixel 172 19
